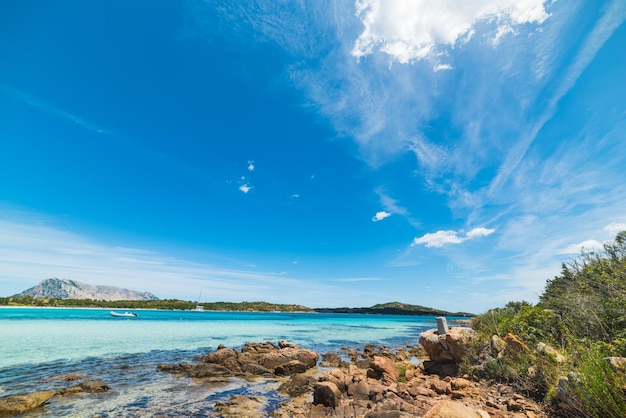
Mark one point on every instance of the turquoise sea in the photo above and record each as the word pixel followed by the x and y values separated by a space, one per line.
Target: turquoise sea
pixel 38 345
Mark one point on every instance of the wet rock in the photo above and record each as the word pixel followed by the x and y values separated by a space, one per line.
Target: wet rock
pixel 241 406
pixel 94 386
pixel 16 404
pixel 298 385
pixel 332 360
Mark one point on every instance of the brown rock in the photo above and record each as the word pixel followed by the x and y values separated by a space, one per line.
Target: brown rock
pixel 514 346
pixel 327 394
pixel 460 383
pixel 298 385
pixel 440 386
pixel 448 347
pixel 94 386
pixel 259 348
pixel 289 368
pixel 359 390
pixel 16 404
pixel 451 409
pixel 253 368
pixel 206 370
pixel 332 360
pixel 383 369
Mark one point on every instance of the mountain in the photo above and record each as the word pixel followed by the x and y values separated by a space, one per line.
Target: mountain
pixel 72 289
pixel 394 308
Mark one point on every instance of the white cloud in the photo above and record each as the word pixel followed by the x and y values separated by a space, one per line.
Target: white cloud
pixel 245 188
pixel 441 238
pixel 409 30
pixel 588 245
pixel 251 166
pixel 479 232
pixel 614 228
pixel 442 67
pixel 380 216
pixel 438 239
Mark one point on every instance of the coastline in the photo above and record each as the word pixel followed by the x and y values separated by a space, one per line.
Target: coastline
pixel 361 380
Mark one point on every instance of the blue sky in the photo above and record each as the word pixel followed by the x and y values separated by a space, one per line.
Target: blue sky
pixel 441 153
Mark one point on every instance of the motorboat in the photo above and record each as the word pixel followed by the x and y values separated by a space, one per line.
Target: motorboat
pixel 123 315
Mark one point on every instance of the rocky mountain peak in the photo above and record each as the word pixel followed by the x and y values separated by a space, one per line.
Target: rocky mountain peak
pixel 72 289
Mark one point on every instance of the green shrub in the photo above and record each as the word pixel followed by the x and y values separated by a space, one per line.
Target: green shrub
pixel 532 324
pixel 598 387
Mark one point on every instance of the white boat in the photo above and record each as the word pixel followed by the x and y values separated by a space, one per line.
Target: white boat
pixel 123 315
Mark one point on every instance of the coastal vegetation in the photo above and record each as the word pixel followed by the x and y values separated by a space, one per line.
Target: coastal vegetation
pixel 175 304
pixel 581 318
pixel 391 308
pixel 395 308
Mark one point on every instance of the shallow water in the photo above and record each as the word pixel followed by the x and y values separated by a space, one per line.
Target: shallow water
pixel 37 345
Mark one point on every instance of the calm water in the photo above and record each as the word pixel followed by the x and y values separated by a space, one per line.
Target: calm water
pixel 37 345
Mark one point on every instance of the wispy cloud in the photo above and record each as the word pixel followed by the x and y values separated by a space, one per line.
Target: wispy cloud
pixel 615 227
pixel 51 109
pixel 585 246
pixel 34 249
pixel 614 15
pixel 441 238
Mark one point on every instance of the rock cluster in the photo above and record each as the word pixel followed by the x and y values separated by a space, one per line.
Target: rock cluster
pixel 382 384
pixel 254 359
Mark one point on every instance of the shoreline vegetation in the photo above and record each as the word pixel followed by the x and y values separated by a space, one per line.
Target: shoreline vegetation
pixel 391 308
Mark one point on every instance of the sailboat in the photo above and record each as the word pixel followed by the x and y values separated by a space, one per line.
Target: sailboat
pixel 199 308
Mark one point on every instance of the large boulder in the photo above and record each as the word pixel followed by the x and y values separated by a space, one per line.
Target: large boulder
pixel 327 394
pixel 383 369
pixel 447 347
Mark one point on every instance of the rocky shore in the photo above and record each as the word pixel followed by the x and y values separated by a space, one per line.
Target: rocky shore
pixel 375 382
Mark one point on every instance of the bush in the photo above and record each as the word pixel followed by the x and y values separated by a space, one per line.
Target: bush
pixel 532 324
pixel 598 387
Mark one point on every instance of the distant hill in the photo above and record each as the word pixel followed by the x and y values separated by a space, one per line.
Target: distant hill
pixel 394 308
pixel 72 289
